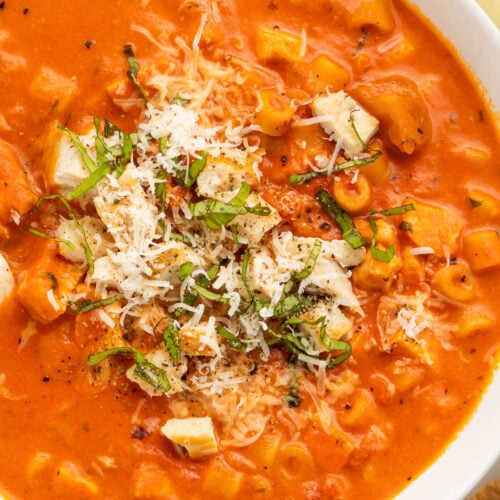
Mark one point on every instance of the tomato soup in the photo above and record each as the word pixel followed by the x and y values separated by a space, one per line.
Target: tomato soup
pixel 247 250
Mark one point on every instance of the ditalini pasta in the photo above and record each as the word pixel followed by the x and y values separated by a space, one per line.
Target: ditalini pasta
pixel 248 250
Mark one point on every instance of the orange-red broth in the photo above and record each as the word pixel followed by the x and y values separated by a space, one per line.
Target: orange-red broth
pixel 47 405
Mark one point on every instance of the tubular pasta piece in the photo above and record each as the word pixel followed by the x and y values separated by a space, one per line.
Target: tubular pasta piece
pixel 352 197
pixel 455 282
pixel 295 461
pixel 474 321
pixel 482 250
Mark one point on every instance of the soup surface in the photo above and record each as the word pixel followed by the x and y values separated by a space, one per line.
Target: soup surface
pixel 247 249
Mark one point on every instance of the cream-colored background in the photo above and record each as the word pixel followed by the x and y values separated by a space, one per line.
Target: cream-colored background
pixel 492 7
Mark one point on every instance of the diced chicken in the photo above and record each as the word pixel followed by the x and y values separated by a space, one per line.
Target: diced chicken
pixel 222 178
pixel 263 275
pixel 342 114
pixel 6 279
pixel 174 373
pixel 127 211
pixel 199 340
pixel 337 324
pixel 253 227
pixel 271 266
pixel 338 250
pixel 64 165
pixel 95 234
pixel 105 272
pixel 167 265
pixel 327 276
pixel 195 434
pixel 46 282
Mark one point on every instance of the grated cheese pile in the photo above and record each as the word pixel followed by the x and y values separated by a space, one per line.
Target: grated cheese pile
pixel 140 243
pixel 162 245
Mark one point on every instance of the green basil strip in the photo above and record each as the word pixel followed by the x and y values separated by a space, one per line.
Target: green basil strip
pixel 291 305
pixel 197 165
pixel 308 268
pixel 171 341
pixel 399 210
pixel 304 178
pixel 377 253
pixel 234 234
pixel 87 305
pixel 85 245
pixel 180 237
pixel 205 279
pixel 153 375
pixel 161 189
pixel 89 182
pixel 144 369
pixel 357 162
pixel 342 218
pixel 36 232
pixel 211 274
pixel 185 270
pixel 87 159
pixel 231 338
pixel 109 159
pixel 110 128
pixel 96 358
pixel 163 143
pixel 53 279
pixel 259 209
pixel 292 399
pixel 244 270
pixel 207 294
pixel 180 101
pixel 241 196
pixel 217 213
pixel 383 255
pixel 340 358
pixel 133 71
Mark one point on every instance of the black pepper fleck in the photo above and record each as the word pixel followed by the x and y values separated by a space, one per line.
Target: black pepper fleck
pixel 26 11
pixel 46 379
pixel 140 433
pixel 89 43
